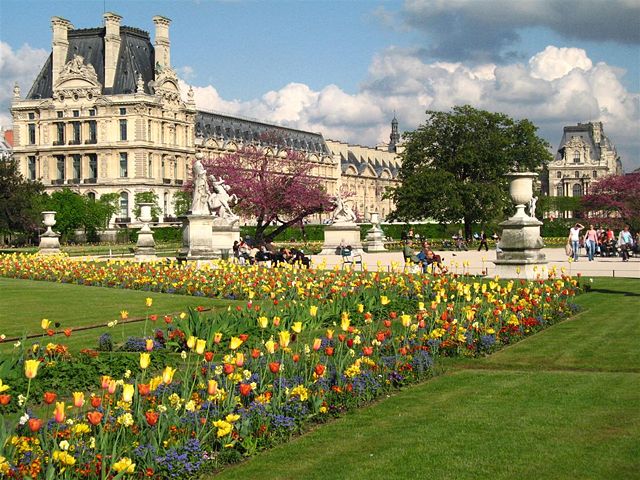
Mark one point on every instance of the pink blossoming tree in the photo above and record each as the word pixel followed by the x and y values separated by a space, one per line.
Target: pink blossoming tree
pixel 616 195
pixel 271 188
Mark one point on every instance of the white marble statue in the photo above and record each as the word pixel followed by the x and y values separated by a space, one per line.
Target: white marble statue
pixel 532 206
pixel 342 213
pixel 201 192
pixel 219 200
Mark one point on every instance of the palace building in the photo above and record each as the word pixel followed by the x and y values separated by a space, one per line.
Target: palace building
pixel 585 154
pixel 106 115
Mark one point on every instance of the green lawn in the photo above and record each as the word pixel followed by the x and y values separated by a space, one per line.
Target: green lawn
pixel 563 404
pixel 24 303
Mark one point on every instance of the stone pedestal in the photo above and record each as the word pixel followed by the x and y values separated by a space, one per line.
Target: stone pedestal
pixel 520 249
pixel 49 240
pixel 374 240
pixel 223 236
pixel 146 245
pixel 342 233
pixel 197 238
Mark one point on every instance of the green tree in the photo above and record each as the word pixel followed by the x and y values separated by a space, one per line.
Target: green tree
pixel 181 202
pixel 19 201
pixel 454 165
pixel 147 197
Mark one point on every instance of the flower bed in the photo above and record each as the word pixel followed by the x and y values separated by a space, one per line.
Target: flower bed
pixel 317 344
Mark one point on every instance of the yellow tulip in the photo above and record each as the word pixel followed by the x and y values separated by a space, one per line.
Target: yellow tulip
pixel 285 338
pixel 127 392
pixel 78 399
pixel 263 322
pixel 360 308
pixel 317 343
pixel 149 345
pixel 420 305
pixel 212 387
pixel 406 320
pixel 31 368
pixel 235 343
pixel 149 301
pixel 217 337
pixel 313 310
pixel 200 346
pixel 270 346
pixel 297 327
pixel 191 342
pixel 45 323
pixel 384 300
pixel 167 375
pixel 145 360
pixel 345 322
pixel 124 465
pixel 124 314
pixel 59 412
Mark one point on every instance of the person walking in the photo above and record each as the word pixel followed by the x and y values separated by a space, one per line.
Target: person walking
pixel 483 241
pixel 625 242
pixel 591 242
pixel 574 240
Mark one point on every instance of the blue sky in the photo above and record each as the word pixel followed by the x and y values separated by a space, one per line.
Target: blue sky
pixel 345 67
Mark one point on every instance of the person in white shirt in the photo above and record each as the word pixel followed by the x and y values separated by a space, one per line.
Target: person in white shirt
pixel 574 240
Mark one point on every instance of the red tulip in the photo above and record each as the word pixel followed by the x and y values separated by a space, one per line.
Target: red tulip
pixel 341 337
pixel 328 351
pixel 393 314
pixel 319 369
pixel 152 418
pixel 245 389
pixel 51 333
pixel 96 401
pixel 350 343
pixel 168 319
pixel 5 399
pixel 144 389
pixel 228 368
pixel 208 356
pixel 255 353
pixel 380 336
pixel 95 417
pixel 367 351
pixel 387 323
pixel 67 332
pixel 274 367
pixel 153 318
pixel 243 337
pixel 50 397
pixel 35 424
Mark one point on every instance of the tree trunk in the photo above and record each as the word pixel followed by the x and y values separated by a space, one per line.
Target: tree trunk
pixel 467 229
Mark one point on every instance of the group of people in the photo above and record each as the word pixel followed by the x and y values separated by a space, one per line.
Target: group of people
pixel 602 241
pixel 426 257
pixel 248 253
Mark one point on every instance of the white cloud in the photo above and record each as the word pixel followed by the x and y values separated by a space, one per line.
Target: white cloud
pixel 553 62
pixel 22 66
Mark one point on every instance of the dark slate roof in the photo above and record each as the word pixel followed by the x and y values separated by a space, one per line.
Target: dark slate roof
pixel 230 128
pixel 136 56
pixel 583 131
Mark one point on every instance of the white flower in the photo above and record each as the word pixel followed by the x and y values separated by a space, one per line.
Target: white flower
pixel 92 442
pixel 17 344
pixel 112 324
pixel 64 445
pixel 21 399
pixel 183 355
pixel 24 418
pixel 127 374
pixel 162 408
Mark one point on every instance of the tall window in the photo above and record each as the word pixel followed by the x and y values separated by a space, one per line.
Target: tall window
pixel 124 165
pixel 175 168
pixel 149 130
pixel 576 157
pixel 163 167
pixel 91 196
pixel 76 167
pixel 150 166
pixel 32 168
pixel 76 133
pixel 123 129
pixel 32 134
pixel 59 133
pixel 576 174
pixel 166 204
pixel 124 204
pixel 93 165
pixel 60 166
pixel 594 174
pixel 559 175
pixel 560 191
pixel 577 190
pixel 93 131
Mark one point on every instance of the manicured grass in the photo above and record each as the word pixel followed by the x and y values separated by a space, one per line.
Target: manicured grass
pixel 25 303
pixel 562 404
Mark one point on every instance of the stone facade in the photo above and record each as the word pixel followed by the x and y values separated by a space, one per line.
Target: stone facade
pixel 106 115
pixel 585 154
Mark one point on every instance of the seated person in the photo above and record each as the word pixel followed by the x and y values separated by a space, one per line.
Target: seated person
pixel 298 256
pixel 408 253
pixel 431 263
pixel 262 255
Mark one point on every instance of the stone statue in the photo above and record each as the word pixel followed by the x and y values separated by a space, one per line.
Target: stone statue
pixel 201 192
pixel 140 84
pixel 219 200
pixel 16 90
pixel 342 213
pixel 532 206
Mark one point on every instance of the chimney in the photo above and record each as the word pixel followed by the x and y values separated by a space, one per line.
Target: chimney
pixel 162 44
pixel 60 45
pixel 111 47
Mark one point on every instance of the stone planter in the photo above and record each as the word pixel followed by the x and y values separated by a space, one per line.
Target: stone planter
pixel 146 245
pixel 49 240
pixel 521 191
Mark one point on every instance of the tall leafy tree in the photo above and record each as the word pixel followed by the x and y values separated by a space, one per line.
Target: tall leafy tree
pixel 454 165
pixel 274 189
pixel 19 200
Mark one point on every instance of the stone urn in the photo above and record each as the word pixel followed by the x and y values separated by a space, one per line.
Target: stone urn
pixel 49 240
pixel 521 191
pixel 375 236
pixel 146 245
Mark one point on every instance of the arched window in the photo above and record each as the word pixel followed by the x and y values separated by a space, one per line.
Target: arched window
pixel 124 204
pixel 576 156
pixel 577 190
pixel 165 205
pixel 560 191
pixel 91 196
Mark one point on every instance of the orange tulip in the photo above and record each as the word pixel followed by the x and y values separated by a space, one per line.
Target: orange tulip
pixel 212 387
pixel 49 397
pixel 35 424
pixel 78 399
pixel 5 399
pixel 95 417
pixel 95 401
pixel 274 367
pixel 144 389
pixel 152 418
pixel 319 369
pixel 59 413
pixel 245 389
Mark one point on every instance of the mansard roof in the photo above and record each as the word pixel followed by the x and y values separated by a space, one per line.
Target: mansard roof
pixel 585 132
pixel 136 56
pixel 230 128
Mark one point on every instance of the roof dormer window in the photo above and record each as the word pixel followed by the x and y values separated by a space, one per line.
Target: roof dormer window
pixel 576 156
